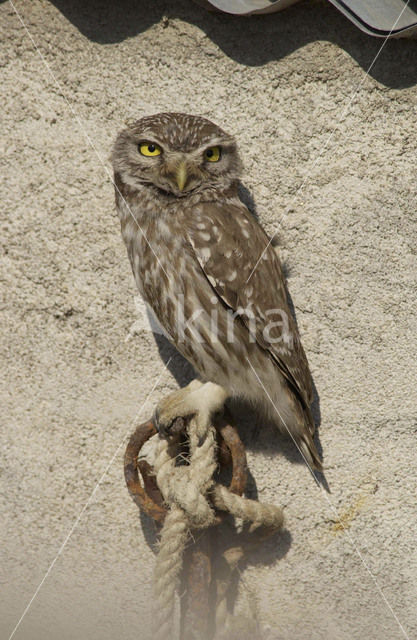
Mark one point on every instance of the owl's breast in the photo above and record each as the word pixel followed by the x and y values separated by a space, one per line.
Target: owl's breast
pixel 162 265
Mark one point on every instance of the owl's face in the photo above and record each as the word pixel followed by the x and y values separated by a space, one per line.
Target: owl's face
pixel 177 153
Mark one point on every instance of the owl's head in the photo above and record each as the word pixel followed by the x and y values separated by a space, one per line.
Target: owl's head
pixel 177 153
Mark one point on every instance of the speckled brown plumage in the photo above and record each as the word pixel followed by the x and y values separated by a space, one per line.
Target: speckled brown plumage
pixel 194 246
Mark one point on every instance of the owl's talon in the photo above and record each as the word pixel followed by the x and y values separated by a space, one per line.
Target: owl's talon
pixel 197 401
pixel 172 427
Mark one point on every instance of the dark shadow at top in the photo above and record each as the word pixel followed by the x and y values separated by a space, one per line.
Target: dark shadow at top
pixel 254 40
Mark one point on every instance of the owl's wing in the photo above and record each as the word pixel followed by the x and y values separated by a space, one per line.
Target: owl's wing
pixel 228 242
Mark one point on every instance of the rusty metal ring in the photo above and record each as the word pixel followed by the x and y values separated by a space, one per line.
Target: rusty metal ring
pixel 148 498
pixel 141 434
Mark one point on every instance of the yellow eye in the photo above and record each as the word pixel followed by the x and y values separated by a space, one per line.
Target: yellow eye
pixel 149 149
pixel 212 154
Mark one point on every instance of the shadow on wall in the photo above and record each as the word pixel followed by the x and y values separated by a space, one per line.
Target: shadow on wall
pixel 254 40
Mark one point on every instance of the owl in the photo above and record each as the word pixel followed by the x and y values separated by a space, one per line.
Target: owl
pixel 210 274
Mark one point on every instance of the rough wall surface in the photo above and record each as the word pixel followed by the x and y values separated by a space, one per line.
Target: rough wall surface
pixel 329 154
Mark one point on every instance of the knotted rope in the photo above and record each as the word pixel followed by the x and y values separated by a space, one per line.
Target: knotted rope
pixel 192 495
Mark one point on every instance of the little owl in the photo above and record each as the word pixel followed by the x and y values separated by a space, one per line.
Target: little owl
pixel 209 273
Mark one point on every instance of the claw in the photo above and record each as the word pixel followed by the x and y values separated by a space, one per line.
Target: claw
pixel 172 427
pixel 194 401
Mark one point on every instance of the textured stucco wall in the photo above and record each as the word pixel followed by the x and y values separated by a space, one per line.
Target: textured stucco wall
pixel 74 382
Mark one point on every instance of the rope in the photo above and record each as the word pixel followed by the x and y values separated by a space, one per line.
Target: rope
pixel 191 494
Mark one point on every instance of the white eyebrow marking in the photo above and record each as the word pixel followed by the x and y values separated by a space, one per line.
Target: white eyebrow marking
pixel 218 141
pixel 147 136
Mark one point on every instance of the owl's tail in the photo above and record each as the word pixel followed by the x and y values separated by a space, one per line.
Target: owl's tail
pixel 304 437
pixel 300 424
pixel 295 419
pixel 310 453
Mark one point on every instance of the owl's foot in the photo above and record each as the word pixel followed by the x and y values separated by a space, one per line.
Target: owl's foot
pixel 197 400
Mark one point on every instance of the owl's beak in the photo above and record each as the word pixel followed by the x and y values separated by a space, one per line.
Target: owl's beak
pixel 181 175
